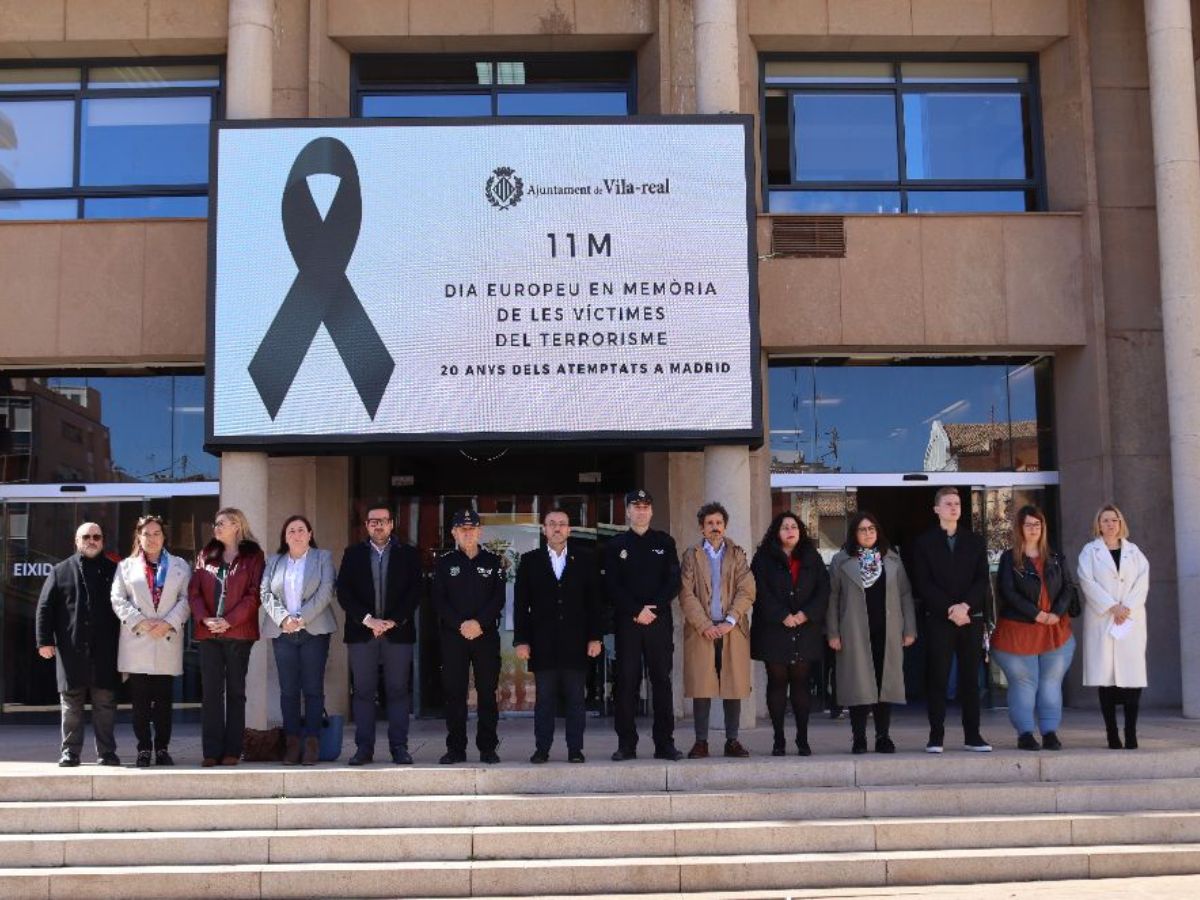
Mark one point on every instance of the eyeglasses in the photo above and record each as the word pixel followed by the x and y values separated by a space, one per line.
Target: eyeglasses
pixel 375 523
pixel 868 529
pixel 92 537
pixel 222 523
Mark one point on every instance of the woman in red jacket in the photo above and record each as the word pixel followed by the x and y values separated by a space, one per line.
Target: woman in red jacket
pixel 223 594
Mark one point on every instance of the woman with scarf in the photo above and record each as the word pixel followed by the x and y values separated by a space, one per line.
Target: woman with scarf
pixel 871 620
pixel 149 596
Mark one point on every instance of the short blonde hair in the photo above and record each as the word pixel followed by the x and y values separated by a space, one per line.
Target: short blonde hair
pixel 1112 508
pixel 239 519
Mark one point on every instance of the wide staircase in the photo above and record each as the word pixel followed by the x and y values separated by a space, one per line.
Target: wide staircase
pixel 770 825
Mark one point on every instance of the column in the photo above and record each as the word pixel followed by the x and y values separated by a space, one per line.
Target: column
pixel 244 482
pixel 1177 188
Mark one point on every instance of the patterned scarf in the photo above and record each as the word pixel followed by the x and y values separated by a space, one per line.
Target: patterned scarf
pixel 156 577
pixel 870 564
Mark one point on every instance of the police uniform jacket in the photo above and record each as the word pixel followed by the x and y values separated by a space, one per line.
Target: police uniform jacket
pixel 557 617
pixel 402 594
pixel 772 641
pixel 465 588
pixel 82 627
pixel 641 570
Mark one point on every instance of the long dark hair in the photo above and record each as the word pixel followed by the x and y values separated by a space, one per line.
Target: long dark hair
pixel 851 546
pixel 770 541
pixel 283 545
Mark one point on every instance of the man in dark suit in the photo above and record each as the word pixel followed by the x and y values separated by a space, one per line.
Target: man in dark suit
pixel 557 630
pixel 379 586
pixel 76 627
pixel 468 594
pixel 950 580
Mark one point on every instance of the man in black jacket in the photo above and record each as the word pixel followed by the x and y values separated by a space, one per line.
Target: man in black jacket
pixel 76 626
pixel 950 580
pixel 557 630
pixel 379 586
pixel 468 594
pixel 641 577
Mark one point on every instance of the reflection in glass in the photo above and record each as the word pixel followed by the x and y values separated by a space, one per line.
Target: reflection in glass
pixel 145 140
pixel 564 103
pixel 145 207
pixel 36 140
pixel 426 105
pixel 141 77
pixel 969 201
pixel 791 71
pixel 909 417
pixel 951 136
pixel 845 137
pixel 964 72
pixel 817 202
pixel 38 209
pixel 39 79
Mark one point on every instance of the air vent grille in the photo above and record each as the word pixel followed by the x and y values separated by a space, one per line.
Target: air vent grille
pixel 808 236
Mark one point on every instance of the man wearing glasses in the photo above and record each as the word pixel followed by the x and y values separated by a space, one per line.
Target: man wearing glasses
pixel 378 586
pixel 76 627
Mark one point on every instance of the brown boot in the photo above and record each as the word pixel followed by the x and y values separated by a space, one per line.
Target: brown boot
pixel 699 750
pixel 291 755
pixel 312 749
pixel 735 749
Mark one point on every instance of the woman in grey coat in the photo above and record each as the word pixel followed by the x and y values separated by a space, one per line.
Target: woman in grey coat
pixel 870 621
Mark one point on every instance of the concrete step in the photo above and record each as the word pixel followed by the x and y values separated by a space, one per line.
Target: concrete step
pixel 613 842
pixel 108 816
pixel 262 781
pixel 603 876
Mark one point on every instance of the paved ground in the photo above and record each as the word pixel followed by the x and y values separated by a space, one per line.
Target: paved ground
pixel 26 746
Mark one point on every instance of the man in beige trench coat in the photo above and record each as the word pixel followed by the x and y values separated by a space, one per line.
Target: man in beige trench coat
pixel 715 597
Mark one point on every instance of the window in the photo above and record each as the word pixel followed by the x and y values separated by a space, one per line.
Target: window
pixel 435 86
pixel 900 136
pixel 127 140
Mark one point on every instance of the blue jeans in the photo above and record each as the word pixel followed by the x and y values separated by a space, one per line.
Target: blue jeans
pixel 1035 687
pixel 300 659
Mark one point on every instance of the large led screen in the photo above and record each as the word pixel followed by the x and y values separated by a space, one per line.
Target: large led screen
pixel 373 282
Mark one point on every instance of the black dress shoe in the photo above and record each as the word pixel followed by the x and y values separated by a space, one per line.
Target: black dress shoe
pixel 490 757
pixel 450 757
pixel 68 760
pixel 802 748
pixel 670 754
pixel 109 759
pixel 1026 741
pixel 163 758
pixel 401 756
pixel 884 744
pixel 859 745
pixel 539 757
pixel 779 747
pixel 143 760
pixel 361 757
pixel 623 753
pixel 576 756
pixel 1050 741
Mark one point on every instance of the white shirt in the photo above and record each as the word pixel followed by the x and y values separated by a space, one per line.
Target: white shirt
pixel 293 584
pixel 558 561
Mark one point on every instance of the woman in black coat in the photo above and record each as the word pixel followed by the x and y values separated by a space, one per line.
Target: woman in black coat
pixel 789 618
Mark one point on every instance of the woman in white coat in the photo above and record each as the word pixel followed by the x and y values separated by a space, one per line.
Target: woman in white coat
pixel 1115 577
pixel 297 588
pixel 149 596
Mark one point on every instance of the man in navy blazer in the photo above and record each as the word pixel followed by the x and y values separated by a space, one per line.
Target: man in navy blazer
pixel 558 629
pixel 378 586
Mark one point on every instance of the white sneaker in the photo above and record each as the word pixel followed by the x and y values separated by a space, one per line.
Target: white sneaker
pixel 933 748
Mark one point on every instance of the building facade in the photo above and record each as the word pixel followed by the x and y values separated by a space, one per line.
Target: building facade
pixel 960 275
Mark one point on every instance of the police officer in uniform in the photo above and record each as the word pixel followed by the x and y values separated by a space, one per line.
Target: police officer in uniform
pixel 468 595
pixel 641 577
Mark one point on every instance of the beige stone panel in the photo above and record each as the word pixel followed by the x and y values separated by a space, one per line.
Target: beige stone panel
pixel 30 853
pixel 1126 796
pixel 132 883
pixel 959 768
pixel 952 17
pixel 701 839
pixel 289 103
pixel 580 876
pixel 968 867
pixel 135 849
pixel 101 295
pixel 1133 862
pixel 26 818
pixel 1142 488
pixel 779 17
pixel 367 17
pixel 1130 265
pixel 962 262
pixel 1137 828
pixel 39 20
pixel 1065 146
pixel 29 293
pixel 180 815
pixel 870 17
pixel 570 779
pixel 174 301
pixel 13 50
pixel 378 812
pixel 951 799
pixel 737 873
pixel 719 775
pixel 184 785
pixel 24 788
pixel 189 19
pixel 1043 279
pixel 1137 392
pixel 1124 149
pixel 107 19
pixel 1040 17
pixel 378 845
pixel 615 16
pixel 815 43
pixel 25 886
pixel 799 303
pixel 881 282
pixel 1005 44
pixel 1117 34
pixel 442 879
pixel 442 18
pixel 93 47
pixel 972 833
pixel 289 69
pixel 573 842
pixel 533 16
pixel 652 80
pixel 178 47
pixel 901 44
pixel 760 805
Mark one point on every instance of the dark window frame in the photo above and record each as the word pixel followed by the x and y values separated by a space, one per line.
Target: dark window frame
pixel 359 91
pixel 1030 91
pixel 77 95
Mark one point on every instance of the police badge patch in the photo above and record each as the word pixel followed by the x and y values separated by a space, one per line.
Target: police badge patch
pixel 454 570
pixel 486 573
pixel 624 554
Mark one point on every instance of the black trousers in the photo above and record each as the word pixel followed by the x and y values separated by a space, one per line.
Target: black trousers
pixel 946 641
pixel 459 656
pixel 151 697
pixel 654 644
pixel 104 716
pixel 550 684
pixel 223 667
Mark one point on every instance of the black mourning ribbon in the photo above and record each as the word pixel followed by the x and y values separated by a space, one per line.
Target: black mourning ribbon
pixel 321 292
